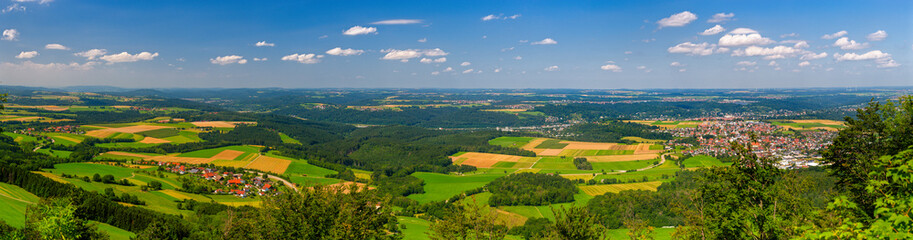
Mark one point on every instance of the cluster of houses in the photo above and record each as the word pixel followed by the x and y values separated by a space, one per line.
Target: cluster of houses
pixel 74 129
pixel 234 183
pixel 799 150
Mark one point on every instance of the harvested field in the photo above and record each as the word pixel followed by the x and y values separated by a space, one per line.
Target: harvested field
pixel 228 155
pixel 533 143
pixel 129 154
pixel 219 124
pixel 21 119
pixel 825 122
pixel 594 190
pixel 644 148
pixel 485 160
pixel 182 196
pixel 230 163
pixel 550 152
pixel 68 139
pixel 597 146
pixel 621 158
pixel 154 140
pixel 189 160
pixel 103 133
pixel 269 164
pixel 584 176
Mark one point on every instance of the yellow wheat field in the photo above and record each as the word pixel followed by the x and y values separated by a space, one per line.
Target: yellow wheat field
pixel 485 160
pixel 595 190
pixel 228 155
pixel 269 164
pixel 621 158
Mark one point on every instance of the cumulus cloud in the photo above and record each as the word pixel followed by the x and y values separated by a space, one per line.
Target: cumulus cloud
pixel 677 20
pixel 435 73
pixel 813 56
pixel 468 71
pixel 676 64
pixel 713 31
pixel 721 17
pixel 27 55
pixel 877 36
pixel 789 35
pixel 92 54
pixel 406 54
pixel 55 46
pixel 743 37
pixel 230 59
pixel 448 69
pixel 359 30
pixel 13 7
pixel 338 51
pixel 518 58
pixel 834 35
pixel 702 49
pixel 876 54
pixel 846 44
pixel 777 52
pixel 10 35
pixel 306 58
pixel 611 67
pixel 429 60
pixel 551 68
pixel 259 59
pixel 546 41
pixel 398 22
pixel 264 44
pixel 423 40
pixel 804 64
pixel 39 1
pixel 772 63
pixel 465 64
pixel 497 70
pixel 887 63
pixel 126 57
pixel 746 63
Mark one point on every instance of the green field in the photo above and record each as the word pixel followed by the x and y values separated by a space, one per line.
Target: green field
pixel 601 189
pixel 126 144
pixel 56 153
pixel 66 138
pixel 654 174
pixel 658 233
pixel 304 174
pixel 439 187
pixel 556 163
pixel 14 201
pixel 627 165
pixel 184 137
pixel 702 161
pixel 552 144
pixel 287 139
pixel 805 125
pixel 20 137
pixel 161 133
pixel 414 228
pixel 88 169
pixel 208 153
pixel 644 140
pixel 510 141
pixel 114 232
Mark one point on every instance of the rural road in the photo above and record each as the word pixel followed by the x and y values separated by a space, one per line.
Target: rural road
pixel 273 177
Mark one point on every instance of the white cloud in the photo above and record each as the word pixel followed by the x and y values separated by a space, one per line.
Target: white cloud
pixel 406 54
pixel 448 69
pixel 465 64
pixel 744 37
pixel 10 35
pixel 39 1
pixel 772 63
pixel 429 60
pixel 306 58
pixel 359 30
pixel 676 64
pixel 797 43
pixel 813 56
pixel 789 35
pixel 877 36
pixel 721 17
pixel 259 59
pixel 338 51
pixel 551 68
pixel 264 44
pixel 677 20
pixel 468 71
pixel 887 63
pixel 804 64
pixel 546 41
pixel 56 46
pixel 713 31
pixel 628 52
pixel 702 49
pixel 518 58
pixel 398 22
pixel 423 40
pixel 500 16
pixel 682 70
pixel 876 54
pixel 773 53
pixel 846 44
pixel 435 73
pixel 27 55
pixel 834 35
pixel 230 59
pixel 126 57
pixel 611 67
pixel 497 70
pixel 12 8
pixel 746 63
pixel 92 54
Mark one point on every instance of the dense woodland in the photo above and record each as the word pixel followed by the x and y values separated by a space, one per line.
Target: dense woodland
pixel 612 131
pixel 531 189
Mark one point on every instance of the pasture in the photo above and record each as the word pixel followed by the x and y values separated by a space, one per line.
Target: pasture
pixel 15 200
pixel 439 187
pixel 702 161
pixel 511 141
pixel 813 124
pixel 599 189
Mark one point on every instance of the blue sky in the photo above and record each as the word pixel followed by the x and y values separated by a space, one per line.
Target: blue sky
pixel 457 44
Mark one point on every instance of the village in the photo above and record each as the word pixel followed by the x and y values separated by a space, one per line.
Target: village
pixel 798 150
pixel 241 184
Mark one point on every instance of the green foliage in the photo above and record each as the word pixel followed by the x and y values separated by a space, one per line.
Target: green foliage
pixel 531 189
pixel 53 219
pixel 243 134
pixel 161 133
pixel 469 221
pixel 576 223
pixel 612 131
pixel 582 164
pixel 891 184
pixel 552 144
